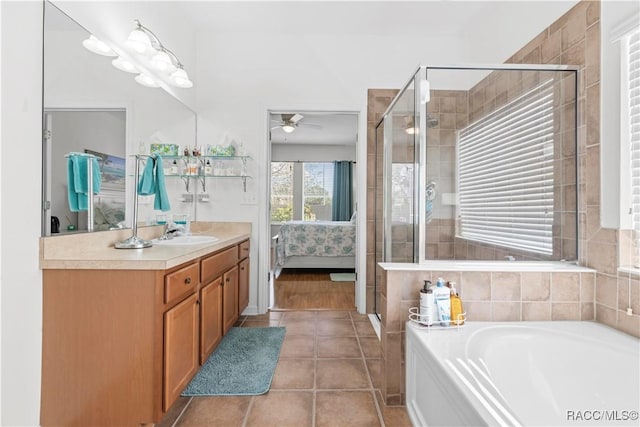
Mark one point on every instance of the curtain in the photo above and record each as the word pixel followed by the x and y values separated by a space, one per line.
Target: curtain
pixel 342 203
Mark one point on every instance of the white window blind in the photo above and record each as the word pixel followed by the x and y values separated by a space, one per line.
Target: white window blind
pixel 634 125
pixel 505 175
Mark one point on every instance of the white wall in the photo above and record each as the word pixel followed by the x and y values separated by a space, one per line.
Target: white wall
pixel 612 213
pixel 21 31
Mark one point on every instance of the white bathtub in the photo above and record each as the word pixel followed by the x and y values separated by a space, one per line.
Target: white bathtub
pixel 523 373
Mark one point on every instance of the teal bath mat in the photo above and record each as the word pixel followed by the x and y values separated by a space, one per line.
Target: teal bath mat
pixel 242 364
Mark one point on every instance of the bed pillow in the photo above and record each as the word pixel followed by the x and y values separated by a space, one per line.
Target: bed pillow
pixel 353 218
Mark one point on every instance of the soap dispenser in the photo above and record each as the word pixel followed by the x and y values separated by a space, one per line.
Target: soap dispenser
pixel 427 304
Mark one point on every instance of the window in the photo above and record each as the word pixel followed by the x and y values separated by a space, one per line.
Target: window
pixel 633 81
pixel 281 191
pixel 317 191
pixel 505 175
pixel 301 191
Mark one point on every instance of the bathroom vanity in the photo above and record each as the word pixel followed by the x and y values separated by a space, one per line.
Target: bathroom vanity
pixel 124 331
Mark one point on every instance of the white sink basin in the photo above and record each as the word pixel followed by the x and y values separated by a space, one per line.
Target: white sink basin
pixel 186 240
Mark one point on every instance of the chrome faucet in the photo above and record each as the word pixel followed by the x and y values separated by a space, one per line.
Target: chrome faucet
pixel 166 235
pixel 510 258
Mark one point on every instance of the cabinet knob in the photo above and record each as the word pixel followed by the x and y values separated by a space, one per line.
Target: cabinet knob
pixel 228 279
pixel 187 281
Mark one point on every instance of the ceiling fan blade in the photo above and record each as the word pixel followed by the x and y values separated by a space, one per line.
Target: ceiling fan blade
pixel 296 118
pixel 276 127
pixel 280 122
pixel 310 125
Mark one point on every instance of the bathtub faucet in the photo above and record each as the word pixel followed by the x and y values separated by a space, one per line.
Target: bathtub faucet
pixel 510 258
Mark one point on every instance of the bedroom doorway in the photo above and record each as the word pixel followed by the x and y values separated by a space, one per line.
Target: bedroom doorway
pixel 312 193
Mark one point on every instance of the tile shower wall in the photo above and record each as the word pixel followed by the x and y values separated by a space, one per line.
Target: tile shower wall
pixel 377 102
pixel 573 39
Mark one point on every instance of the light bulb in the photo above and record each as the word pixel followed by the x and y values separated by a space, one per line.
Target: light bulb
pixel 139 41
pixel 161 61
pixel 288 128
pixel 97 46
pixel 180 78
pixel 146 80
pixel 124 65
pixel 410 130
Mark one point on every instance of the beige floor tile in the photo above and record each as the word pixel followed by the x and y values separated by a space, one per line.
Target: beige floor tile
pixel 299 315
pixel 299 327
pixel 359 317
pixel 341 374
pixel 370 347
pixel 282 409
pixel 393 416
pixel 174 412
pixel 331 314
pixel 346 409
pixel 295 346
pixel 375 367
pixel 335 347
pixel 225 411
pixel 269 315
pixel 365 329
pixel 336 327
pixel 294 374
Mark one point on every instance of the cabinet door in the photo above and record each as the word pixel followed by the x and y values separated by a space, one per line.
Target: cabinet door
pixel 180 348
pixel 210 318
pixel 230 298
pixel 243 285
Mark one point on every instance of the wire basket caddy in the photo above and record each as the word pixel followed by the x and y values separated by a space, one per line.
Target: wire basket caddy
pixel 417 320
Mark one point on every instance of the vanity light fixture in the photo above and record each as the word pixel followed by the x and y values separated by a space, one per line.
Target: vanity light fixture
pixel 152 61
pixel 98 46
pixel 124 65
pixel 146 80
pixel 150 51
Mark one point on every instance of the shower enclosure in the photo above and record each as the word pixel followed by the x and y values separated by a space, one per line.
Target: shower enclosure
pixel 478 163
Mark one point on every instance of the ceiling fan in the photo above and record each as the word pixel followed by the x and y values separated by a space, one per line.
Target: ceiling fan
pixel 290 122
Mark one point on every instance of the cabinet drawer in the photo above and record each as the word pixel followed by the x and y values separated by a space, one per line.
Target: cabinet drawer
pixel 243 249
pixel 180 283
pixel 218 263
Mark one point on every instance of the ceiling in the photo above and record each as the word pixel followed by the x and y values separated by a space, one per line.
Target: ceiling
pixel 335 129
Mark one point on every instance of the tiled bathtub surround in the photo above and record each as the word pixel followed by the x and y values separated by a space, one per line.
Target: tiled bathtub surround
pixel 566 293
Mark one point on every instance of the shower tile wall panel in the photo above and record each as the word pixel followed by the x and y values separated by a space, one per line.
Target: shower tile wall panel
pixel 377 102
pixel 575 39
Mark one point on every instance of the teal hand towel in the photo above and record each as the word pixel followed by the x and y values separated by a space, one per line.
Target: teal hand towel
pixel 152 182
pixel 77 181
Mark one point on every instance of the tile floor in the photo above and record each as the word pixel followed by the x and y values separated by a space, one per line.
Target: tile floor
pixel 327 376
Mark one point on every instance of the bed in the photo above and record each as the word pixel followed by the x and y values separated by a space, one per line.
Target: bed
pixel 317 244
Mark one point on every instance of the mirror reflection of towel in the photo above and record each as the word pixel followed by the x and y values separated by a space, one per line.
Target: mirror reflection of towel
pixel 152 182
pixel 77 182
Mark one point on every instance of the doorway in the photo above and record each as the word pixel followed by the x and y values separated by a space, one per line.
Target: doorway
pixel 312 209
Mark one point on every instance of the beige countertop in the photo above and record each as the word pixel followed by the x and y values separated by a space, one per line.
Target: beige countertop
pixel 96 251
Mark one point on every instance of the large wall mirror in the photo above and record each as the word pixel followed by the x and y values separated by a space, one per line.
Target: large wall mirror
pixel 91 107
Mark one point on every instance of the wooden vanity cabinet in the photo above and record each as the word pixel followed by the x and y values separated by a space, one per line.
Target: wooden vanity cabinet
pixel 229 298
pixel 243 279
pixel 181 344
pixel 119 346
pixel 210 317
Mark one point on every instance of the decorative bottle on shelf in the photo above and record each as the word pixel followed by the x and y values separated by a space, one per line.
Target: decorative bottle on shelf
pixel 207 168
pixel 173 170
pixel 426 304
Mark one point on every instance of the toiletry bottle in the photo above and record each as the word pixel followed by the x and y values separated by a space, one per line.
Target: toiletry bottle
pixel 427 303
pixel 443 302
pixel 456 306
pixel 174 168
pixel 207 168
